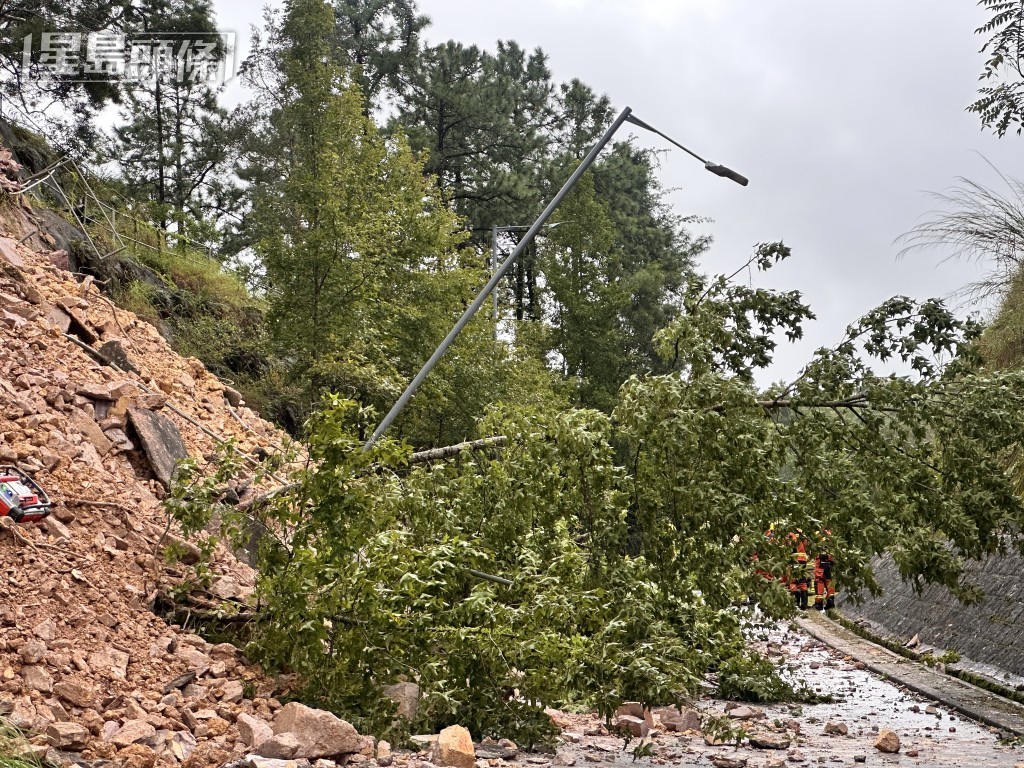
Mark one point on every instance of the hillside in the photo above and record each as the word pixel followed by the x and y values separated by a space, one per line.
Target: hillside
pixel 86 665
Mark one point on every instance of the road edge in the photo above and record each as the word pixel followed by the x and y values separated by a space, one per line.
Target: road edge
pixel 831 633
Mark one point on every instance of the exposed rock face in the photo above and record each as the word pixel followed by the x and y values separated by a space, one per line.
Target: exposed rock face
pixel 319 733
pixel 454 748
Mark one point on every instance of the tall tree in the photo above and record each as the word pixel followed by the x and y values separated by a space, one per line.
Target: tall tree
pixel 57 94
pixel 173 147
pixel 481 120
pixel 380 40
pixel 364 275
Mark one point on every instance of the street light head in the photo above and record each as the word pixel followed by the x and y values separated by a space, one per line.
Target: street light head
pixel 718 170
pixel 727 173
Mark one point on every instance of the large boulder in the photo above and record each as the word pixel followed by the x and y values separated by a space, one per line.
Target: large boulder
pixel 319 733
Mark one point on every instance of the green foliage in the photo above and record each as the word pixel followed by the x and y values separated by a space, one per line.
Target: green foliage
pixel 749 676
pixel 1001 96
pixel 628 539
pixel 722 729
pixel 14 749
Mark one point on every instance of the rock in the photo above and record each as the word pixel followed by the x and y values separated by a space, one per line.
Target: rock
pixel 37 678
pixel 180 682
pixel 233 396
pixel 563 757
pixel 911 753
pixel 110 661
pixel 223 651
pixel 181 745
pixel 724 761
pixel 860 758
pixel 675 720
pixel 56 528
pixel 9 253
pixel 406 696
pixel 198 661
pixel 888 742
pixel 559 719
pixel 637 726
pixel 635 709
pixel 114 352
pixel 76 692
pixel 424 741
pixel 282 746
pixel 930 710
pixel 489 749
pixel 454 748
pixel 836 728
pixel 59 318
pixel 207 755
pixel 745 713
pixel 133 732
pixel 45 631
pixel 87 427
pixel 225 588
pixel 320 734
pixel 255 761
pixel 161 441
pixel 70 736
pixel 22 714
pixel 232 691
pixel 32 651
pixel 384 756
pixel 770 741
pixel 252 730
pixel 137 756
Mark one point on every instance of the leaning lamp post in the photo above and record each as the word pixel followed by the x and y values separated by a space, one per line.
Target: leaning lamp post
pixel 626 116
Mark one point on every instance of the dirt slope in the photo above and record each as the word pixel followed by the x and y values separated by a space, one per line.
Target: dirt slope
pixel 81 655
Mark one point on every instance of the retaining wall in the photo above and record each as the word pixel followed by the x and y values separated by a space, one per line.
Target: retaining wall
pixel 990 632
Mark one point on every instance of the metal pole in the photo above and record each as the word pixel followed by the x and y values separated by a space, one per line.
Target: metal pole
pixel 499 273
pixel 494 270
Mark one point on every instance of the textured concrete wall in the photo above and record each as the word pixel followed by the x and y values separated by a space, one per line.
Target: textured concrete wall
pixel 990 632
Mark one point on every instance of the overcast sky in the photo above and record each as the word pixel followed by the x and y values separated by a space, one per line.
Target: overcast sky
pixel 843 114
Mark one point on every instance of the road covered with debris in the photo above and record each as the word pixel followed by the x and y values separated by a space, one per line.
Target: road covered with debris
pixel 869 715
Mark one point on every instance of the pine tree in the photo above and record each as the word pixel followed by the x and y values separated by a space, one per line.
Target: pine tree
pixel 174 145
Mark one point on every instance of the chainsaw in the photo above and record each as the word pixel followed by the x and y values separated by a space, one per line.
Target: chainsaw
pixel 21 498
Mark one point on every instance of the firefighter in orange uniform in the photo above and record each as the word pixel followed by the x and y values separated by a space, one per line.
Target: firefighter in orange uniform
pixel 799 582
pixel 824 588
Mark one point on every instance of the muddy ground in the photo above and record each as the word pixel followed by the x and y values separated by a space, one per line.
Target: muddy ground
pixel 930 735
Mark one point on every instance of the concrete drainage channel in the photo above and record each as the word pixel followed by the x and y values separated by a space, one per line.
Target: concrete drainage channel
pixel 971 701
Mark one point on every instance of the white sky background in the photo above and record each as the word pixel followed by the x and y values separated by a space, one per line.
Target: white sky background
pixel 843 114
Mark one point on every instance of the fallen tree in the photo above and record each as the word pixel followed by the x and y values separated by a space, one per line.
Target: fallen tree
pixel 623 543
